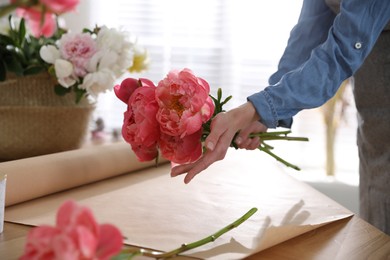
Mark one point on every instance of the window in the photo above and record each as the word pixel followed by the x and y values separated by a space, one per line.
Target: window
pixel 234 45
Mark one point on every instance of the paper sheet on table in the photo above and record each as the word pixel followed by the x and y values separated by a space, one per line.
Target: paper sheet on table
pixel 156 211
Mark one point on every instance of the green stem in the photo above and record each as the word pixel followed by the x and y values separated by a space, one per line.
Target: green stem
pixel 287 138
pixel 281 135
pixel 264 149
pixel 201 242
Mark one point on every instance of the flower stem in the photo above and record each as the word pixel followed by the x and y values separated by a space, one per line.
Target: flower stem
pixel 189 246
pixel 278 135
pixel 266 150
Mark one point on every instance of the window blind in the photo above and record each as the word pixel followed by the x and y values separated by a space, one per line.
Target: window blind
pixel 234 45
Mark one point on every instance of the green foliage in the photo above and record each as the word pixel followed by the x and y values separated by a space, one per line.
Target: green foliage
pixel 19 51
pixel 218 104
pixel 20 55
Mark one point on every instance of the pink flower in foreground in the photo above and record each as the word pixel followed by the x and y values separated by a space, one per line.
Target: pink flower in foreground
pixel 39 26
pixel 76 235
pixel 140 127
pixel 184 103
pixel 60 6
pixel 181 149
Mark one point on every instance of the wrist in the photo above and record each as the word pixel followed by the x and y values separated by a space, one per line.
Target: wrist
pixel 246 114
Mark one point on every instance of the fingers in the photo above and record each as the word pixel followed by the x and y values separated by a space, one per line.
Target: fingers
pixel 243 139
pixel 222 139
pixel 218 128
pixel 223 128
pixel 208 158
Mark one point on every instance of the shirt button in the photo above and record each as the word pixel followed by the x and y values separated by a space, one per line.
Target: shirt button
pixel 358 45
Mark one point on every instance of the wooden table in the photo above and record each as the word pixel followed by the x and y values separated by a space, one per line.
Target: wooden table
pixel 349 238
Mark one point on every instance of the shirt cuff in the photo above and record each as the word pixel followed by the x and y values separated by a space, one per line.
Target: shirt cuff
pixel 265 109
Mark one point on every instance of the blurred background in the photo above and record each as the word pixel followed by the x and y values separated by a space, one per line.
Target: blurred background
pixel 236 46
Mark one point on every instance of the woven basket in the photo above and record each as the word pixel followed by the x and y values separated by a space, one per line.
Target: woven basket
pixel 35 121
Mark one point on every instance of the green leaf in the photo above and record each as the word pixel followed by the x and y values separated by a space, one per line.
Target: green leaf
pixel 52 71
pixel 6 40
pixel 219 94
pixel 86 30
pixel 34 69
pixel 22 32
pixel 2 71
pixel 226 100
pixel 80 93
pixel 60 90
pixel 13 64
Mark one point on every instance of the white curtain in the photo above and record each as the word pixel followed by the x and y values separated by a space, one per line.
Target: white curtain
pixel 234 45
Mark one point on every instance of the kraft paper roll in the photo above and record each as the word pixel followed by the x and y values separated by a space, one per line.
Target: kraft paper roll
pixel 35 177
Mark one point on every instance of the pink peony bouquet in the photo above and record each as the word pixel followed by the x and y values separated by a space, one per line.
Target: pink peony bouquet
pixel 167 117
pixel 173 118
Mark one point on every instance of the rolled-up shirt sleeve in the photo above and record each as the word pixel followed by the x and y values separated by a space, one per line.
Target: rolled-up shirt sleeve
pixel 308 81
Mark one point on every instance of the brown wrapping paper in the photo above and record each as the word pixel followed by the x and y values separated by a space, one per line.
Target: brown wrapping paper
pixel 156 211
pixel 42 175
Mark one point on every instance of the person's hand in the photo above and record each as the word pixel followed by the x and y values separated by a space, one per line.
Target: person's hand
pixel 243 139
pixel 223 129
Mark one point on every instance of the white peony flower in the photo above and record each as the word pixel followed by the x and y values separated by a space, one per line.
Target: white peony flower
pixel 109 59
pixel 66 82
pixel 49 53
pixel 63 68
pixel 112 39
pixel 98 82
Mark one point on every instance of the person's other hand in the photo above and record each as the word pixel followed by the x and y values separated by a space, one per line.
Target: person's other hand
pixel 223 129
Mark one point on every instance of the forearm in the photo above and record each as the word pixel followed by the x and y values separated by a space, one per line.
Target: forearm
pixel 351 38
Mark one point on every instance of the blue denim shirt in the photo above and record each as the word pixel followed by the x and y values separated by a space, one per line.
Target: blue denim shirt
pixel 323 50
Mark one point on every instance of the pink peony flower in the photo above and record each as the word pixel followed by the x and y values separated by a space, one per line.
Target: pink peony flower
pixel 76 235
pixel 181 149
pixel 39 26
pixel 127 87
pixel 78 48
pixel 60 6
pixel 140 128
pixel 184 103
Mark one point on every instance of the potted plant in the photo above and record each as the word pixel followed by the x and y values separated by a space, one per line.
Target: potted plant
pixel 50 77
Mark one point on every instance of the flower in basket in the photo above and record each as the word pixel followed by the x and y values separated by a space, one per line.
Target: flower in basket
pixel 173 118
pixel 88 63
pixel 85 63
